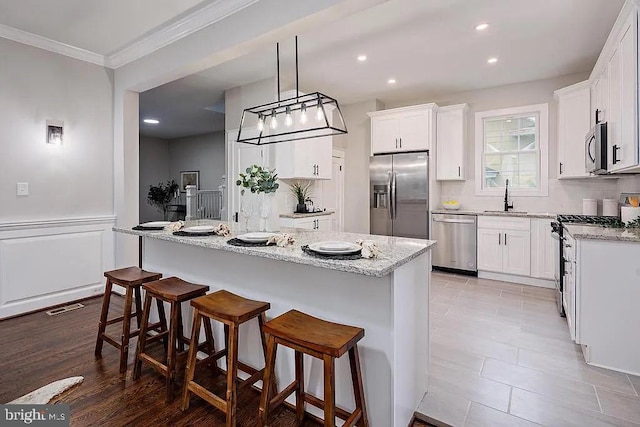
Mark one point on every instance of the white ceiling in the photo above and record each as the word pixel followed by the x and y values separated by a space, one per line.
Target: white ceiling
pixel 429 46
pixel 99 26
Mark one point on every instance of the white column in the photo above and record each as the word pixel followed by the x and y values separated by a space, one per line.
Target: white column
pixel 192 203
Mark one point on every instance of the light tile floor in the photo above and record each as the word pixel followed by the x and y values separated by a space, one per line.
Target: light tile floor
pixel 501 355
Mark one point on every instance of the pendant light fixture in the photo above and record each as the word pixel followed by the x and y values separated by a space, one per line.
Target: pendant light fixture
pixel 259 125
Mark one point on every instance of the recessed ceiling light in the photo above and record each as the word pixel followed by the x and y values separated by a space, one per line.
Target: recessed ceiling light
pixel 151 121
pixel 362 58
pixel 391 81
pixel 492 60
pixel 482 26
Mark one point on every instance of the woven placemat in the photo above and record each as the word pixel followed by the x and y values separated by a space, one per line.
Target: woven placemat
pixel 139 228
pixel 238 242
pixel 184 233
pixel 306 250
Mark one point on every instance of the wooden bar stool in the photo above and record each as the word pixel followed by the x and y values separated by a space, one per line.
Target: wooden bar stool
pixel 131 278
pixel 321 339
pixel 174 291
pixel 232 310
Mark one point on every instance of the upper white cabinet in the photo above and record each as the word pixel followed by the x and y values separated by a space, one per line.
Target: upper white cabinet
pixel 402 129
pixel 574 122
pixel 615 89
pixel 304 159
pixel 450 141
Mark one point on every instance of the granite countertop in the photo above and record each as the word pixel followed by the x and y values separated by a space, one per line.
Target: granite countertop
pixel 396 251
pixel 594 232
pixel 306 214
pixel 496 213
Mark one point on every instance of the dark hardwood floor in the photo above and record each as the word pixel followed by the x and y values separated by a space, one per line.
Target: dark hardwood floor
pixel 37 349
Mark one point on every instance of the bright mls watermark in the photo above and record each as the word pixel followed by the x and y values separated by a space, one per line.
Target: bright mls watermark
pixel 38 415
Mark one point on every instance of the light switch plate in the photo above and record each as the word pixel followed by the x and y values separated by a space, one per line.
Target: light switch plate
pixel 22 189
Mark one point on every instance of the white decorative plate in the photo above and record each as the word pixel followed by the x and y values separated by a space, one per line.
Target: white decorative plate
pixel 199 229
pixel 155 224
pixel 256 237
pixel 333 248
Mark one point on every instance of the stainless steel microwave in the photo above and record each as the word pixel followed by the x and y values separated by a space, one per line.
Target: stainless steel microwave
pixel 596 149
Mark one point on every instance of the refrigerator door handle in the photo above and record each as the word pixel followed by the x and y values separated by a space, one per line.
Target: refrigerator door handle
pixel 389 189
pixel 393 195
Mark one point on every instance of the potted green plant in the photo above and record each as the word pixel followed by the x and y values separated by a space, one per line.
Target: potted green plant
pixel 302 193
pixel 160 196
pixel 261 181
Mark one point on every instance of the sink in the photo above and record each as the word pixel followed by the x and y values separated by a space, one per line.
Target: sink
pixel 503 212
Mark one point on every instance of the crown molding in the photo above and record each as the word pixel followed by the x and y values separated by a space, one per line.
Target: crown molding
pixel 189 24
pixel 51 45
pixel 177 30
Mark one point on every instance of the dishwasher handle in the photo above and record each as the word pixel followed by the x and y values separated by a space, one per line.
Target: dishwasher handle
pixel 456 221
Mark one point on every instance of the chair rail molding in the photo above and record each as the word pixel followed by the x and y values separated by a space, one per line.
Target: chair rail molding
pixel 53 261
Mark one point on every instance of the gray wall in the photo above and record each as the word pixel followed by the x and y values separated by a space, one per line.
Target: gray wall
pixel 564 196
pixel 203 153
pixel 357 146
pixel 154 168
pixel 71 180
pixel 241 97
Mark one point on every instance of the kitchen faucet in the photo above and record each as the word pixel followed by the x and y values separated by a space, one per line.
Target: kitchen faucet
pixel 507 205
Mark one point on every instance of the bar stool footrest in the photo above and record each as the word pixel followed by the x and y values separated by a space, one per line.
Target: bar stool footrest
pixel 160 367
pixel 207 395
pixel 319 403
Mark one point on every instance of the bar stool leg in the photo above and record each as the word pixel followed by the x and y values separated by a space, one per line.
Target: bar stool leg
pixel 191 359
pixel 329 391
pixel 171 350
pixel 269 373
pixel 138 298
pixel 163 321
pixel 211 348
pixel 300 390
pixel 358 389
pixel 126 330
pixel 262 319
pixel 142 337
pixel 226 344
pixel 232 375
pixel 102 326
pixel 180 334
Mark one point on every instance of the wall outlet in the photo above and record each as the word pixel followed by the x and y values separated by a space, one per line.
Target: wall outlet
pixel 22 189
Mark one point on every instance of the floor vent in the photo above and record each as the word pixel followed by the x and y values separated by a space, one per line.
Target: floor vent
pixel 64 309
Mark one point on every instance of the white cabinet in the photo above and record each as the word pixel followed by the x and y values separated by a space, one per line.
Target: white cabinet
pixel 615 92
pixel 304 159
pixel 574 122
pixel 544 249
pixel 504 245
pixel 402 129
pixel 321 223
pixel 450 142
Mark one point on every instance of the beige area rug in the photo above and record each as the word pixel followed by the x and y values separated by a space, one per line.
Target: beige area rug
pixel 47 393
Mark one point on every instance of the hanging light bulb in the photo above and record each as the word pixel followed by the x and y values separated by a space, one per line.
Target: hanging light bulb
pixel 288 120
pixel 303 113
pixel 274 121
pixel 260 122
pixel 319 112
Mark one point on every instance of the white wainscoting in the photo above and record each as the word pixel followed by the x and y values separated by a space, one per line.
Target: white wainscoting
pixel 49 262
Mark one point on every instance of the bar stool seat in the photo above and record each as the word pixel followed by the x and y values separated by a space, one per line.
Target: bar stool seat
pixel 174 291
pixel 231 310
pixel 131 278
pixel 321 339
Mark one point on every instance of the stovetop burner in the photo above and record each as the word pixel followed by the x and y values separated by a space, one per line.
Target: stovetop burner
pixel 589 219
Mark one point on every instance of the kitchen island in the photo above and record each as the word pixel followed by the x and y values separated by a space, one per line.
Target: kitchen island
pixel 387 296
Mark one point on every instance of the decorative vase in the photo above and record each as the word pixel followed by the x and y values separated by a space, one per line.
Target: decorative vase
pixel 301 208
pixel 246 209
pixel 266 200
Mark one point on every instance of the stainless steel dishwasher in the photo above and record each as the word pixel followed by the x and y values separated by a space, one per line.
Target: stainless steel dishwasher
pixel 457 239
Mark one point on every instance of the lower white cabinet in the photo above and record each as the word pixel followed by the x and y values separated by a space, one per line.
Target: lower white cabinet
pixel 504 245
pixel 321 223
pixel 544 249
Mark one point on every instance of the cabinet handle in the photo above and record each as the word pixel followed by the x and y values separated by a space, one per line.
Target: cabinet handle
pixel 317 169
pixel 499 239
pixel 459 171
pixel 396 142
pixel 560 168
pixel 505 239
pixel 615 154
pixel 598 116
pixel 400 142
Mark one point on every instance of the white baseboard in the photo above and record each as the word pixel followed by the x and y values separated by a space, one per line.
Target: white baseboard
pixel 522 280
pixel 50 262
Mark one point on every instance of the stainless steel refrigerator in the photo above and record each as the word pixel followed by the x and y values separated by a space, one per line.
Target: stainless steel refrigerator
pixel 399 194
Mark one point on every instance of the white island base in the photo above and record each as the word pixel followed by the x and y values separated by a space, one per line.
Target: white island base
pixel 392 309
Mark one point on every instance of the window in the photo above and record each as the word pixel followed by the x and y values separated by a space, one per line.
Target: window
pixel 511 144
